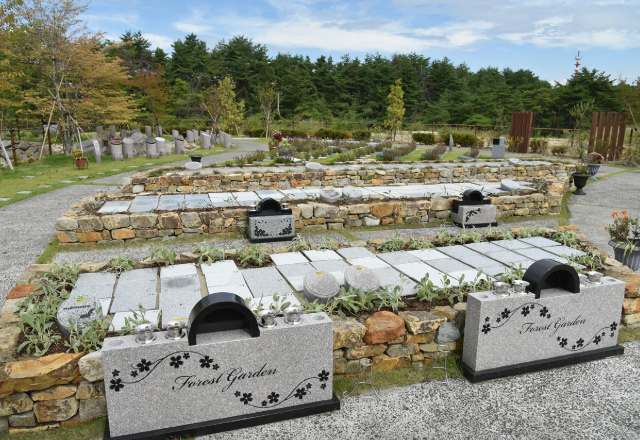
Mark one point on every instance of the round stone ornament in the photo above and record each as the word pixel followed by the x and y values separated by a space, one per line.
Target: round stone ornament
pixel 352 193
pixel 329 195
pixel 320 286
pixel 358 277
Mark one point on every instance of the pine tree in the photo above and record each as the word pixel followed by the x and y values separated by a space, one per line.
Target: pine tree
pixel 395 111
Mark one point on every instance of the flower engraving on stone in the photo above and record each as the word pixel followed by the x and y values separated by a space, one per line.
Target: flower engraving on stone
pixel 273 397
pixel 134 373
pixel 237 393
pixel 246 398
pixel 185 355
pixel 323 376
pixel 323 386
pixel 264 403
pixel 580 342
pixel 487 319
pixel 115 373
pixel 544 311
pixel 206 362
pixel 505 313
pixel 116 384
pixel 143 365
pixel 176 361
pixel 613 326
pixel 525 310
pixel 563 342
pixel 300 393
pixel 308 386
pixel 486 328
pixel 597 339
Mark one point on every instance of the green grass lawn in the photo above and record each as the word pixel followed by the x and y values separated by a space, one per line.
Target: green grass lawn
pixel 52 169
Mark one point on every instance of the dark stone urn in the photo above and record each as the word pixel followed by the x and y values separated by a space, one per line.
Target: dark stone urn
pixel 580 181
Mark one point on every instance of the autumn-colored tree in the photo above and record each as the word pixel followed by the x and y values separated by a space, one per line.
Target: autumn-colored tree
pixel 267 98
pixel 395 111
pixel 154 90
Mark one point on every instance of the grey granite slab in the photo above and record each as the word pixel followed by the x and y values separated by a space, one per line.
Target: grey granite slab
pixel 264 193
pixel 514 330
pixel 135 288
pixel 355 252
pixel 295 273
pixel 178 270
pixel 335 268
pixel 248 198
pixel 118 322
pixel 294 194
pixel 322 255
pixel 288 258
pixel 494 271
pixel 114 207
pixel 197 201
pixel 268 363
pixel 144 204
pixel 428 254
pixel 507 257
pixel 223 200
pixel 563 250
pixel 447 265
pixel 540 254
pixel 390 278
pixel 266 281
pixel 171 202
pixel 98 285
pixel 238 289
pixel 484 247
pixel 540 241
pixel 178 295
pixel 222 279
pixel 399 257
pixel 512 244
pixel 368 262
pixel 219 266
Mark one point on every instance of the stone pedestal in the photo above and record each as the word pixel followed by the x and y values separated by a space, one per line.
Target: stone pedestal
pixel 112 131
pixel 226 373
pixel 179 145
pixel 147 131
pixel 161 146
pixel 520 333
pixel 206 141
pixel 190 138
pixel 127 147
pixel 475 216
pixel 152 151
pixel 174 133
pixel 227 140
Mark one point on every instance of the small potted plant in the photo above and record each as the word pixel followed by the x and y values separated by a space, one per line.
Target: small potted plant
pixel 594 162
pixel 274 144
pixel 79 158
pixel 580 178
pixel 625 239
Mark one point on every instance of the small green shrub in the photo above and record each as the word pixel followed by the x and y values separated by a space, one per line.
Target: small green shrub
pixel 424 138
pixel 392 245
pixel 208 253
pixel 89 338
pixel 299 244
pixel 163 255
pixel 539 145
pixel 253 254
pixel 119 264
pixel 131 322
pixel 361 135
pixel 328 244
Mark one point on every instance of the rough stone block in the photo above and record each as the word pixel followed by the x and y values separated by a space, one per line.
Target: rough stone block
pixel 382 327
pixel 92 408
pixel 15 404
pixel 55 410
pixel 347 332
pixel 57 392
pixel 447 332
pixel 90 366
pixel 24 420
pixel 421 322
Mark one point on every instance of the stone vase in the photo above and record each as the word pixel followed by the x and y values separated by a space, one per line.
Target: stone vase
pixel 580 181
pixel 593 170
pixel 627 254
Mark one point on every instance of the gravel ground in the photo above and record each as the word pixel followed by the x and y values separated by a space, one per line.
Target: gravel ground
pixel 28 227
pixel 593 400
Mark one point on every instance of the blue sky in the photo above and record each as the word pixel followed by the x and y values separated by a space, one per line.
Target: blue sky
pixel 541 35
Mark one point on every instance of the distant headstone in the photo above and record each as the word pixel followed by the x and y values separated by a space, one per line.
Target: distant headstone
pixel 116 149
pixel 139 143
pixel 473 210
pixel 320 286
pixel 193 166
pixel 190 136
pixel 159 130
pixel 161 146
pixel 174 133
pixel 206 141
pixel 314 166
pixel 152 150
pixel 499 148
pixel 227 140
pixel 329 195
pixel 179 145
pixel 97 150
pixel 352 193
pixel 112 130
pixel 451 143
pixel 99 130
pixel 127 148
pixel 358 277
pixel 80 309
pixel 147 131
pixel 270 222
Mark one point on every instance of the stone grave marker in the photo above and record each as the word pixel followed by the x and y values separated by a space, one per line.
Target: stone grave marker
pixel 239 374
pixel 556 322
pixel 80 309
pixel 193 166
pixel 313 166
pixel 161 146
pixel 320 286
pixel 127 146
pixel 329 195
pixel 206 141
pixel 152 150
pixel 116 149
pixel 358 277
pixel 270 222
pixel 190 137
pixel 352 193
pixel 147 131
pixel 473 210
pixel 179 145
pixel 499 148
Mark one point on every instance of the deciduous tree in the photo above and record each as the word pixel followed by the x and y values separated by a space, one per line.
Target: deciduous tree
pixel 395 111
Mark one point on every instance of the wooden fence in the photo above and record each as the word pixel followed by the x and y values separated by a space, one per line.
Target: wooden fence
pixel 607 134
pixel 521 130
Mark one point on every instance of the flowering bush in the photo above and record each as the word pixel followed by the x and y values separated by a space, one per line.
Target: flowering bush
pixel 594 158
pixel 582 168
pixel 277 137
pixel 623 228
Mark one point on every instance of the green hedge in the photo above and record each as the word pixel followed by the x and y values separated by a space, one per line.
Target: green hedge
pixel 424 138
pixel 324 133
pixel 460 138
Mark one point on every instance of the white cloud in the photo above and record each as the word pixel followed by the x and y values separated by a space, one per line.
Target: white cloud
pixel 188 28
pixel 161 41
